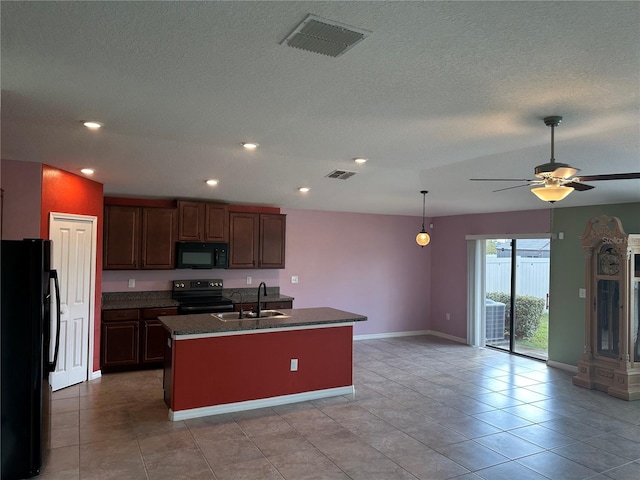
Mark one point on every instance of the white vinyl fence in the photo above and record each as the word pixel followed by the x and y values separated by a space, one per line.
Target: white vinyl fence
pixel 532 276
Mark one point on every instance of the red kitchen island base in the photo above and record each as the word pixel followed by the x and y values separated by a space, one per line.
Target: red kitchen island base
pixel 229 371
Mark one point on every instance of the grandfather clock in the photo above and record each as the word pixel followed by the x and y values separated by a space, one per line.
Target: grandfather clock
pixel 611 359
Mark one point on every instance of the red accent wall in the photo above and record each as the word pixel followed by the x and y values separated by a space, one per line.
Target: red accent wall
pixel 68 193
pixel 220 370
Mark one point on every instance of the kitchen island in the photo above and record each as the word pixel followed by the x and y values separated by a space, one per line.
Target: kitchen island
pixel 214 366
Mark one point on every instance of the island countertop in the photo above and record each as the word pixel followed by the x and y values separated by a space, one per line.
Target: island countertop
pixel 204 324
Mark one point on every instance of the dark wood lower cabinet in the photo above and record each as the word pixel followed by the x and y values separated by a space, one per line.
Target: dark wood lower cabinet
pixel 120 344
pixel 133 339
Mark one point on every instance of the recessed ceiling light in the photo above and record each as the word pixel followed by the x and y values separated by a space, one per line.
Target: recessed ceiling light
pixel 92 125
pixel 360 160
pixel 303 189
pixel 250 145
pixel 212 182
pixel 88 171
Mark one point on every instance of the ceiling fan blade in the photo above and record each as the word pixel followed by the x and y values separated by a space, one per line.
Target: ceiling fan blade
pixel 500 180
pixel 609 176
pixel 509 188
pixel 579 186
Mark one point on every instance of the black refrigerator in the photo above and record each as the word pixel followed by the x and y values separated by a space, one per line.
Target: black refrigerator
pixel 25 395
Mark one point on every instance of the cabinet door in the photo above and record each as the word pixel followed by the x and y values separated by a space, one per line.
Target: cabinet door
pixel 216 222
pixel 152 342
pixel 158 238
pixel 243 240
pixel 121 238
pixel 190 221
pixel 277 305
pixel 272 241
pixel 153 334
pixel 120 343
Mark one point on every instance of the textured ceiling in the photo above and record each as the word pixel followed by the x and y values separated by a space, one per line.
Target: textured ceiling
pixel 440 92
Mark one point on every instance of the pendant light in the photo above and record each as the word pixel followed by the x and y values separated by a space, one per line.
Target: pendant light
pixel 423 237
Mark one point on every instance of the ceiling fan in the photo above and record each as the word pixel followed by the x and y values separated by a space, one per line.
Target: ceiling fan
pixel 555 180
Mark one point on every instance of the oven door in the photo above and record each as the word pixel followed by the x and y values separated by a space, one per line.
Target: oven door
pixel 201 308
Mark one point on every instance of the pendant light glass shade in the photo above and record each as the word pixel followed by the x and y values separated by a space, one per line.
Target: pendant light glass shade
pixel 423 237
pixel 551 193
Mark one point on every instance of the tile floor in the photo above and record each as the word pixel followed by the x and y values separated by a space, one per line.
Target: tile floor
pixel 425 408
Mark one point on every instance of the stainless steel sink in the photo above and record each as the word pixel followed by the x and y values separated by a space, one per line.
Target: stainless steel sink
pixel 234 316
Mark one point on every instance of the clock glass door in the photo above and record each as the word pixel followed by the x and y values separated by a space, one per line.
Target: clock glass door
pixel 635 309
pixel 608 324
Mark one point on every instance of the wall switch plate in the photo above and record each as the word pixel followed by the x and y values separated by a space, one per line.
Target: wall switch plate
pixel 249 280
pixel 561 236
pixel 582 292
pixel 294 279
pixel 448 316
pixel 132 283
pixel 294 364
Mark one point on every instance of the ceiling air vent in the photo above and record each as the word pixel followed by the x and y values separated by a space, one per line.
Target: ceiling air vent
pixel 340 174
pixel 323 36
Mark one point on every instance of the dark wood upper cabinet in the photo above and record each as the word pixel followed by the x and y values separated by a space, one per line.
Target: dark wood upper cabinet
pixel 243 240
pixel 202 221
pixel 216 222
pixel 158 238
pixel 190 221
pixel 257 240
pixel 272 241
pixel 139 238
pixel 121 238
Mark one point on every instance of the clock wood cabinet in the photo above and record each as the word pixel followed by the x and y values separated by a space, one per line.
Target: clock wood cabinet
pixel 611 359
pixel 133 339
pixel 203 221
pixel 257 240
pixel 139 238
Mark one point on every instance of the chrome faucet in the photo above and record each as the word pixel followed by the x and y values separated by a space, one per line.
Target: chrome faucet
pixel 241 303
pixel 264 290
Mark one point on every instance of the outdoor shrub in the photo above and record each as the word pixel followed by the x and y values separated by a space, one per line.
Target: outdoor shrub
pixel 528 312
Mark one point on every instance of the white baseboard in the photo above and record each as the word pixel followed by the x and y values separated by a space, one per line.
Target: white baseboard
pixel 562 366
pixel 448 337
pixel 377 336
pixel 261 403
pixel 96 374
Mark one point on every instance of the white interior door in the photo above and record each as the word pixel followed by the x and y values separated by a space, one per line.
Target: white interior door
pixel 73 255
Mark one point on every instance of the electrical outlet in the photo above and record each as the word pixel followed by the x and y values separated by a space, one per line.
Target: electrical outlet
pixel 447 317
pixel 582 293
pixel 294 279
pixel 294 364
pixel 249 280
pixel 132 283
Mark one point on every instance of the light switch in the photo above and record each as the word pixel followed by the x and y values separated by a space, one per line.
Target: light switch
pixel 582 292
pixel 294 279
pixel 294 364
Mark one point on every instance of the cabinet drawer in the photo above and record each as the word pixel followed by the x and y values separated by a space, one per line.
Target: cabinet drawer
pixel 115 315
pixel 283 304
pixel 159 312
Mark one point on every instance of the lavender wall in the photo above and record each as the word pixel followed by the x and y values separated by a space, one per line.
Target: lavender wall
pixel 449 262
pixel 22 185
pixel 368 264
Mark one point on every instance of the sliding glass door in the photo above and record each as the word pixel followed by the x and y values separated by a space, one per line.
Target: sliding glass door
pixel 516 286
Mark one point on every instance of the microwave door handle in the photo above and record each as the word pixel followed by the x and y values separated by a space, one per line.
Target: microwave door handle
pixel 215 257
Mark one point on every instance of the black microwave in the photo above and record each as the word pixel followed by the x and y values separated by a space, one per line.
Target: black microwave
pixel 202 255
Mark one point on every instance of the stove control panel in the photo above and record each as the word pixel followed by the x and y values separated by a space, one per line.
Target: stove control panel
pixel 183 285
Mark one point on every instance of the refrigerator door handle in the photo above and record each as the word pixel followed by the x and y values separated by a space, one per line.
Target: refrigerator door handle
pixel 52 365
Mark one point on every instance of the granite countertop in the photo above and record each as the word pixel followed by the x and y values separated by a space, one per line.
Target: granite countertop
pixel 162 299
pixel 205 323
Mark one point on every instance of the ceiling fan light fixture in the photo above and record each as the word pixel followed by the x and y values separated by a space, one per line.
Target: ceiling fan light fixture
pixel 552 193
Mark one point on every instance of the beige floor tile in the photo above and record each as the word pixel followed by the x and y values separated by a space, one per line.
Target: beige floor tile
pixel 251 470
pixel 186 463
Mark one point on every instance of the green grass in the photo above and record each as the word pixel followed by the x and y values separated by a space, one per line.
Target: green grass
pixel 541 338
